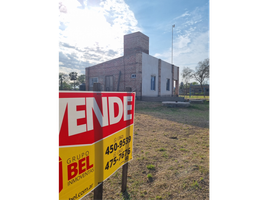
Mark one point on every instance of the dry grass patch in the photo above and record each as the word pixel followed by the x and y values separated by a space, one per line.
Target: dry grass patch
pixel 170 155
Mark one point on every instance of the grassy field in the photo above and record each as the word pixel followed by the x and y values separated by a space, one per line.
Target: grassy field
pixel 171 155
pixel 195 97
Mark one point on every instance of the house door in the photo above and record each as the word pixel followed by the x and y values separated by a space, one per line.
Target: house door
pixel 109 83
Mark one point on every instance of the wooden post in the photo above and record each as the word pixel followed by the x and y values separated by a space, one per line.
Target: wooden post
pixel 99 190
pixel 125 166
pixel 124 177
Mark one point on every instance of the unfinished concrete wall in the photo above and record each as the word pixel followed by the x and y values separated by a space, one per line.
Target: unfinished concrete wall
pixel 131 73
pixel 137 67
pixel 149 69
pixel 175 77
pixel 109 68
pixel 136 43
pixel 166 73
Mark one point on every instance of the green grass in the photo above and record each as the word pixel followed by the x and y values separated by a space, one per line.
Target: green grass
pixel 142 158
pixel 165 155
pixel 195 114
pixel 151 167
pixel 182 149
pixel 195 185
pixel 162 149
pixel 194 97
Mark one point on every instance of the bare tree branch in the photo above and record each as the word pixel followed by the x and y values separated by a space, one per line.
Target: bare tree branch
pixel 201 73
pixel 186 76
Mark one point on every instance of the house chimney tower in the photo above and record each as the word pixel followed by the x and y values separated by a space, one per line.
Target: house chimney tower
pixel 135 43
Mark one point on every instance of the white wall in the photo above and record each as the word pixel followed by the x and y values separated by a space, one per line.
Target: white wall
pixel 149 67
pixel 166 72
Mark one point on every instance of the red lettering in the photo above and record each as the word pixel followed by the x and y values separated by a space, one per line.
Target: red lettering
pixel 81 165
pixel 88 166
pixel 72 170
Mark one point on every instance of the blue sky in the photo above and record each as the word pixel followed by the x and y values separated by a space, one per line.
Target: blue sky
pixel 91 31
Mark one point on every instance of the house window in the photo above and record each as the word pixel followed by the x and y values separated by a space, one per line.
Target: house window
pixel 92 81
pixel 168 84
pixel 153 82
pixel 133 75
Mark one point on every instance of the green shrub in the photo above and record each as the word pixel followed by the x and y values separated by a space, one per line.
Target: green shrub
pixel 149 176
pixel 151 167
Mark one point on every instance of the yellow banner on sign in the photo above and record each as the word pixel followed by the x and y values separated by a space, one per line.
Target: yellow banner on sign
pixel 82 168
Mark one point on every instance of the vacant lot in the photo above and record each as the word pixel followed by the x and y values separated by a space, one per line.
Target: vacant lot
pixel 171 155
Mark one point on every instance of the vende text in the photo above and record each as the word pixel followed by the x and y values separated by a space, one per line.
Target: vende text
pixel 110 106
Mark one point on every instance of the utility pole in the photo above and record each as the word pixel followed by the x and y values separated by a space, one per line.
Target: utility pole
pixel 172 45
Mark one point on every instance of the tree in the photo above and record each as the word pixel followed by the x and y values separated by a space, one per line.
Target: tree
pixel 62 77
pixel 82 78
pixel 201 73
pixel 73 77
pixel 194 83
pixel 186 76
pixel 66 86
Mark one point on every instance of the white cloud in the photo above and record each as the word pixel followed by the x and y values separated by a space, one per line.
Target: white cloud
pixel 183 15
pixel 189 54
pixel 191 39
pixel 94 34
pixel 182 41
pixel 188 51
pixel 197 51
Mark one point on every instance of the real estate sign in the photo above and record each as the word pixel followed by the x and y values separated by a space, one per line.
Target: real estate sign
pixel 95 139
